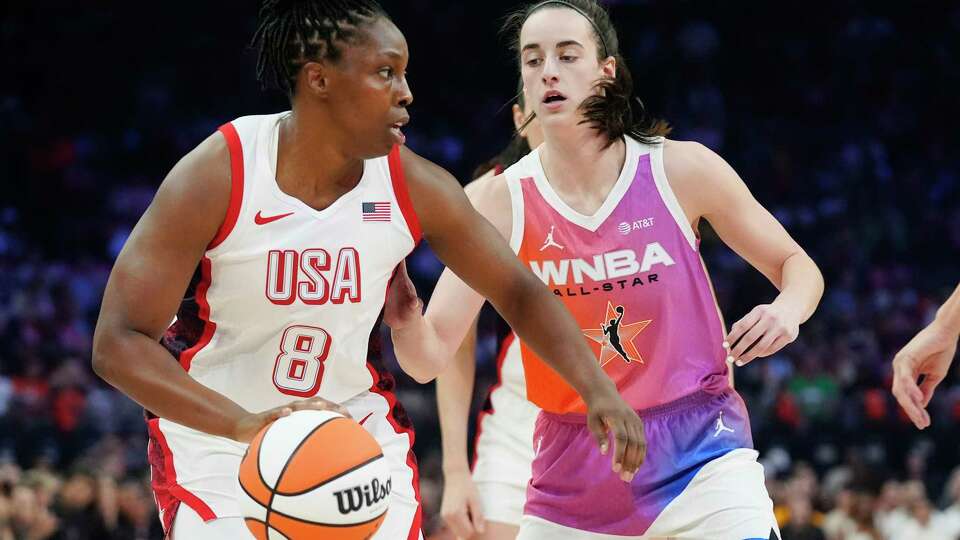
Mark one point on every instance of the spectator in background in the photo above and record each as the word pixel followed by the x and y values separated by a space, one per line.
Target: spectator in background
pixel 135 517
pixel 28 519
pixel 863 515
pixel 6 510
pixel 952 513
pixel 925 523
pixel 839 523
pixel 86 507
pixel 800 525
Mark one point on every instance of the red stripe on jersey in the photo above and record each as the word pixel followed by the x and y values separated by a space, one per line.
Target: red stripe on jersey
pixel 163 480
pixel 391 398
pixel 504 346
pixel 209 327
pixel 236 184
pixel 403 196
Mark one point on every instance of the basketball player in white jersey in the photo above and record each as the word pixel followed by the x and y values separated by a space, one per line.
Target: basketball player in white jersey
pixel 284 230
pixel 616 207
pixel 484 500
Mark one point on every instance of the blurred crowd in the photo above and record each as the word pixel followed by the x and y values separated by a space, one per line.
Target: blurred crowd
pixel 837 119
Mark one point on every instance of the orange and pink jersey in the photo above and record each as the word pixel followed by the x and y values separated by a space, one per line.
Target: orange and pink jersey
pixel 631 275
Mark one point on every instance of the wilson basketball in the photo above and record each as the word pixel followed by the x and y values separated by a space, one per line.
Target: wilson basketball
pixel 314 474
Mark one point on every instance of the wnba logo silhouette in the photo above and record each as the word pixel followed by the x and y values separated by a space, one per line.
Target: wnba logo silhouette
pixel 353 499
pixel 616 337
pixel 612 331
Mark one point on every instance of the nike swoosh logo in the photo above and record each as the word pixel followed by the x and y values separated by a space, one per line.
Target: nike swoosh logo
pixel 365 418
pixel 260 220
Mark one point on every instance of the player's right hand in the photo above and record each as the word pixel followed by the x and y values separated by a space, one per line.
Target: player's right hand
pixel 929 353
pixel 609 416
pixel 460 507
pixel 248 426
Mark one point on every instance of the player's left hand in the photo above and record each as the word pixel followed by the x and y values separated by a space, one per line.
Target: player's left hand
pixel 764 331
pixel 929 353
pixel 403 306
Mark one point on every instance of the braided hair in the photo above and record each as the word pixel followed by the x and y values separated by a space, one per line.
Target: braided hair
pixel 293 32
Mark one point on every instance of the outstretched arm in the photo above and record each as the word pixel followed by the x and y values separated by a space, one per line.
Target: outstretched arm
pixel 476 252
pixel 708 187
pixel 460 507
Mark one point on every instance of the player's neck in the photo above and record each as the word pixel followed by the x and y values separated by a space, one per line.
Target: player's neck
pixel 310 165
pixel 579 168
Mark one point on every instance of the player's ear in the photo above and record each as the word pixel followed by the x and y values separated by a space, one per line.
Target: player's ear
pixel 315 77
pixel 518 116
pixel 609 67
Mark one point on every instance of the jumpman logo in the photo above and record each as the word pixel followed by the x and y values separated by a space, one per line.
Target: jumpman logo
pixel 721 427
pixel 550 241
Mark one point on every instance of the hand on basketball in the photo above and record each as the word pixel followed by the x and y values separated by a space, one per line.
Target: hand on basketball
pixel 248 426
pixel 929 353
pixel 610 417
pixel 764 331
pixel 460 507
pixel 403 305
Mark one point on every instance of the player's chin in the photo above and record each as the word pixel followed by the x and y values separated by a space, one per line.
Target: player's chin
pixel 390 138
pixel 379 145
pixel 556 117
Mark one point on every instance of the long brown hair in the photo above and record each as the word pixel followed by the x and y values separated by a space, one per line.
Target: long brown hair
pixel 613 111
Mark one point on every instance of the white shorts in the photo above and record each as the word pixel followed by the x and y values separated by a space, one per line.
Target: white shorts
pixel 727 499
pixel 197 470
pixel 504 444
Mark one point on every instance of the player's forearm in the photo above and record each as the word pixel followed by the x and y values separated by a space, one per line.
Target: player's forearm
pixel 545 325
pixel 454 392
pixel 948 316
pixel 420 350
pixel 146 372
pixel 801 286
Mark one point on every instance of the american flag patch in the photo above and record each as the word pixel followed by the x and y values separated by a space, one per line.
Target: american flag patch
pixel 376 211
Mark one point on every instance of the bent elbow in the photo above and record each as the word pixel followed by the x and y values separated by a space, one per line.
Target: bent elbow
pixel 427 373
pixel 102 356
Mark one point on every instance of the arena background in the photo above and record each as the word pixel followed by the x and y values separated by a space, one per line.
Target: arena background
pixel 839 115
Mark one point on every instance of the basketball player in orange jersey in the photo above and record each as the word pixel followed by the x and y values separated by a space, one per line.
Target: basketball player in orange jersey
pixel 284 230
pixel 605 213
pixel 484 500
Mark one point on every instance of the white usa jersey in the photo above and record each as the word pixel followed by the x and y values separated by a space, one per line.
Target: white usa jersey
pixel 286 296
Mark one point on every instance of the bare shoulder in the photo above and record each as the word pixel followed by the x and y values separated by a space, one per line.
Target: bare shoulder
pixel 697 175
pixel 685 159
pixel 420 172
pixel 204 173
pixel 490 195
pixel 437 196
pixel 192 200
pixel 163 250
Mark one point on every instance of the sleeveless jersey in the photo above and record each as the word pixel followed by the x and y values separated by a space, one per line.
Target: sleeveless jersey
pixel 286 298
pixel 632 277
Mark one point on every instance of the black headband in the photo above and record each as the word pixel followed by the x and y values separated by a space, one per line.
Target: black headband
pixel 581 12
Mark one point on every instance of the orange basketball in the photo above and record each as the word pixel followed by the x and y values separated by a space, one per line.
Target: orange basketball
pixel 314 474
